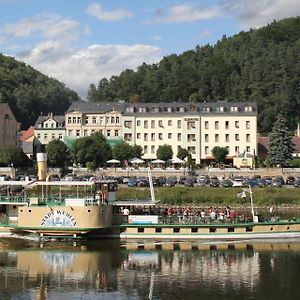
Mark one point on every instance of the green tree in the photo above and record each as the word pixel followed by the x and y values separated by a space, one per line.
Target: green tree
pixel 122 151
pixel 58 154
pixel 280 146
pixel 164 152
pixel 136 151
pixel 93 148
pixel 219 154
pixel 182 153
pixel 13 155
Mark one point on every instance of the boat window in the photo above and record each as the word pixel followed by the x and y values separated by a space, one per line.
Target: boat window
pixel 176 230
pixel 123 229
pixel 249 229
pixel 288 228
pixel 230 229
pixel 271 228
pixel 194 229
pixel 158 230
pixel 212 229
pixel 89 210
pixel 141 229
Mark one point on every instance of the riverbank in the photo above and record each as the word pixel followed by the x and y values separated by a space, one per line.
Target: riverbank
pixel 285 198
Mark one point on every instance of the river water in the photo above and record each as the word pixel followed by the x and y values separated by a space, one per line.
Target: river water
pixel 149 270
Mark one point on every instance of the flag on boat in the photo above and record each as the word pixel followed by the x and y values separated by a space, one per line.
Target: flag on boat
pixel 241 195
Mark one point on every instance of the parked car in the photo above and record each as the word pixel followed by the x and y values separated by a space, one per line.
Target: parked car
pixel 202 182
pixel 268 180
pixel 290 180
pixel 261 183
pixel 280 178
pixel 276 182
pixel 227 183
pixel 132 182
pixel 214 182
pixel 182 179
pixel 170 182
pixel 189 181
pixel 297 182
pixel 237 182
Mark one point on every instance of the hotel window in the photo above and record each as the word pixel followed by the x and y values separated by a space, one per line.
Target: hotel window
pixel 191 150
pixel 206 138
pixel 117 120
pixel 92 131
pixel 237 124
pixel 101 131
pixel 86 120
pixel 108 133
pixel 160 136
pixel 234 109
pixel 94 120
pixel 152 137
pixel 74 120
pixel 248 149
pixel 237 137
pixel 179 124
pixel 169 136
pixel 102 121
pixel 248 138
pixel 178 137
pixel 206 109
pixel 60 136
pixel 191 124
pixel 138 123
pixel 107 120
pixel 138 136
pixel 206 124
pixel 237 149
pixel 128 124
pixel 227 148
pixel 145 124
pixel 152 124
pixel 69 120
pixel 127 137
pixel 112 120
pixel 116 132
pixel 216 138
pixel 130 109
pixel 78 120
pixel 145 137
pixel 226 124
pixel 160 123
pixel 46 125
pixel 216 124
pixel 169 122
pixel 152 149
pixel 70 132
pixel 77 132
pixel 52 125
pixel 45 136
pixel 227 138
pixel 145 149
pixel 191 137
pixel 85 133
pixel 206 150
pixel 247 124
pixel 39 136
pixel 248 108
pixel 53 136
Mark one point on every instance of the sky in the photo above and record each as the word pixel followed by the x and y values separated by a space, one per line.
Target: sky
pixel 79 42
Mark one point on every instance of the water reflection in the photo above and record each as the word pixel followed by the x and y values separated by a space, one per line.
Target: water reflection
pixel 136 270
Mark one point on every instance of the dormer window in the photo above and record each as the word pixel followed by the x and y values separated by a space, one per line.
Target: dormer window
pixel 130 109
pixel 234 109
pixel 248 108
pixel 220 108
pixel 206 109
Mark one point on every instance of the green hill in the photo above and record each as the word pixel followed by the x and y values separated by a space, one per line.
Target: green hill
pixel 30 93
pixel 261 65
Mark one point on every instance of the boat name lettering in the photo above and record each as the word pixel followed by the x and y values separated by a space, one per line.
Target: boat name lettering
pixel 58 218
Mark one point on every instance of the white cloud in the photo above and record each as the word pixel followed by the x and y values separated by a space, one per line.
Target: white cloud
pixel 186 13
pixel 257 13
pixel 78 68
pixel 205 33
pixel 46 25
pixel 97 11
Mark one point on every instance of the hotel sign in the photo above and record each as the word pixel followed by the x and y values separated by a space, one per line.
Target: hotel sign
pixel 58 218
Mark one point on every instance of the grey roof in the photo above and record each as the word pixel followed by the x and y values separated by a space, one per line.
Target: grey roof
pixel 58 119
pixel 96 107
pixel 163 108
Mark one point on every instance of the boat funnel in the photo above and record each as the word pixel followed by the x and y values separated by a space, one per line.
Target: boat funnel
pixel 41 159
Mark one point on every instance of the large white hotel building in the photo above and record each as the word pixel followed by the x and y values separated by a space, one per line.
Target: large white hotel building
pixel 197 127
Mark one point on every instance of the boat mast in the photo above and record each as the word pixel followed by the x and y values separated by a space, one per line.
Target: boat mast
pixel 151 186
pixel 251 201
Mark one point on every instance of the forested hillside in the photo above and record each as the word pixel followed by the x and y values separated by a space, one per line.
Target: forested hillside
pixel 30 93
pixel 260 65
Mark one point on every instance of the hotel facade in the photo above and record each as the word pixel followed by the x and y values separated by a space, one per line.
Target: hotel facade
pixel 197 127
